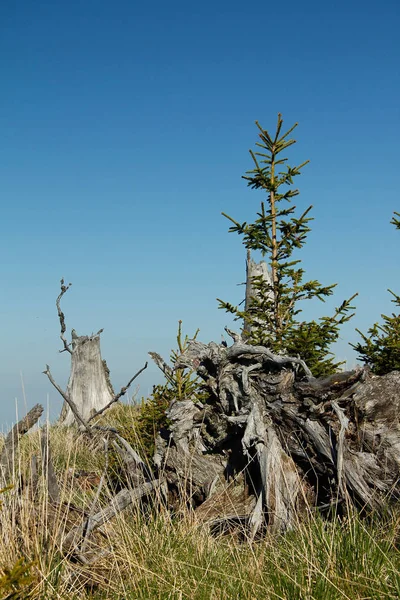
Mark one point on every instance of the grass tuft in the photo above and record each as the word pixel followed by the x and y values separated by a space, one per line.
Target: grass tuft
pixel 160 557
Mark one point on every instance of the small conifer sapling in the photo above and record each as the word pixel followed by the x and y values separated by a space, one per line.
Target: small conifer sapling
pixel 380 347
pixel 272 318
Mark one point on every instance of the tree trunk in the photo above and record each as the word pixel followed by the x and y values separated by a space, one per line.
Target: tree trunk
pixel 89 385
pixel 254 269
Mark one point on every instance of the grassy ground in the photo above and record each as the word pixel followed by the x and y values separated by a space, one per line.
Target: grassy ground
pixel 160 557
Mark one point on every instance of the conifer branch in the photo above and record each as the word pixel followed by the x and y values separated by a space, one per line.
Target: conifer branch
pixel 271 316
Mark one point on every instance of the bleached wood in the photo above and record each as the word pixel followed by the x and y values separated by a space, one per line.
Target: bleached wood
pixel 11 441
pixel 254 269
pixel 120 502
pixel 300 443
pixel 88 386
pixel 48 471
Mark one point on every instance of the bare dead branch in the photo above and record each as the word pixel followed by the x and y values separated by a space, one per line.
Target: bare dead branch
pixel 61 316
pixel 237 338
pixel 104 429
pixel 68 400
pixel 239 348
pixel 10 444
pixel 134 455
pixel 161 364
pixel 123 390
pixel 96 498
pixel 121 393
pixel 344 423
pixel 132 459
pixel 48 468
pixel 121 501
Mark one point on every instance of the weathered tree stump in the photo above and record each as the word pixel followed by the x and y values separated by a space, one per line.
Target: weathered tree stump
pixel 89 385
pixel 89 392
pixel 272 443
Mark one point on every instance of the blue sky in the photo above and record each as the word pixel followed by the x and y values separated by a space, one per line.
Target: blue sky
pixel 125 131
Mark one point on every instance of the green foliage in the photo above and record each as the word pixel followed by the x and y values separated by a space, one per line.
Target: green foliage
pixel 3 491
pixel 151 418
pixel 181 384
pixel 15 583
pixel 395 220
pixel 140 424
pixel 272 317
pixel 380 348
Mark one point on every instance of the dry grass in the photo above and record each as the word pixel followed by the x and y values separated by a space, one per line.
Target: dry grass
pixel 158 556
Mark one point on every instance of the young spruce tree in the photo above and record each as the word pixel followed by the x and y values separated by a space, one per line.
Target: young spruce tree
pixel 272 318
pixel 380 348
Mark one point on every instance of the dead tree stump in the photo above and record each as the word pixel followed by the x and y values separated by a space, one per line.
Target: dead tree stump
pixel 89 386
pixel 89 392
pixel 272 443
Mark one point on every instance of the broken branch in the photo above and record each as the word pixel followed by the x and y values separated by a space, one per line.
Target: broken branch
pixel 162 365
pixel 121 393
pixel 61 316
pixel 96 498
pixel 121 501
pixel 10 444
pixel 68 400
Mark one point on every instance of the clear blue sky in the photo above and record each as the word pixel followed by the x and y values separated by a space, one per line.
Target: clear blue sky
pixel 125 131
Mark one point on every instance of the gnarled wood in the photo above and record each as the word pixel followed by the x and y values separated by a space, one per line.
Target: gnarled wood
pixel 78 534
pixel 294 442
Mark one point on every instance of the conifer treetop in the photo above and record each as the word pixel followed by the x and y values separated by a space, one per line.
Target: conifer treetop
pixel 277 233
